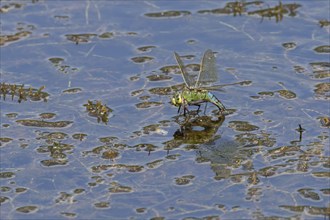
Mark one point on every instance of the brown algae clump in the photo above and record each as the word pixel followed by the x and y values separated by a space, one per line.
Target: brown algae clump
pixel 98 110
pixel 23 94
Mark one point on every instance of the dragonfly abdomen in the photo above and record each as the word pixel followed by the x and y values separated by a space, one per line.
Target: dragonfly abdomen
pixel 212 98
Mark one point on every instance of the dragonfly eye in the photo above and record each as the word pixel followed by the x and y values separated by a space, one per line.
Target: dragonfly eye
pixel 176 100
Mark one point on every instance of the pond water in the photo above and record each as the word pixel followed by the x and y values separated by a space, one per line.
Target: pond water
pixel 88 131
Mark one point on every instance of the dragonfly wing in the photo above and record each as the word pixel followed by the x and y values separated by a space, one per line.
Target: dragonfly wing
pixel 208 72
pixel 188 79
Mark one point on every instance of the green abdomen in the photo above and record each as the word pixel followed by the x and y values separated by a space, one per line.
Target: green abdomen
pixel 196 96
pixel 192 96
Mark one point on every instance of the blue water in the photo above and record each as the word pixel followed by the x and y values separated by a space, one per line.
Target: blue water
pixel 228 169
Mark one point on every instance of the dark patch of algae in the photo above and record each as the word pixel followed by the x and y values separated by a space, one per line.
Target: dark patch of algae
pixel 4 140
pixel 129 168
pixel 286 94
pixel 72 90
pixel 161 91
pixel 242 126
pixel 117 188
pixel 146 48
pixel 312 210
pixel 167 14
pixel 322 49
pixel 47 115
pixel 148 104
pixel 324 23
pixel 50 136
pixel 10 6
pixel 80 38
pixel 79 136
pixel 63 68
pixel 158 77
pixel 6 175
pixel 184 180
pixel 321 70
pixel 322 90
pixel 142 59
pixel 57 151
pixel 106 35
pixel 27 209
pixel 289 45
pixel 102 205
pixel 43 124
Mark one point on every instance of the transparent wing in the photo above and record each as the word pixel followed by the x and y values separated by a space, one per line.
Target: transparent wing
pixel 188 79
pixel 208 72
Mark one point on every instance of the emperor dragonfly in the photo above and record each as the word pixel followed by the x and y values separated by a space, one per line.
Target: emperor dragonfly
pixel 194 93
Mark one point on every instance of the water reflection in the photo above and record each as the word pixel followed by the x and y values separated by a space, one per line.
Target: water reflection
pixel 194 130
pixel 222 154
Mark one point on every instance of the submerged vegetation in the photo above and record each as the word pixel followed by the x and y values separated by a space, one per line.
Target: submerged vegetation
pixel 22 93
pixel 98 110
pixel 248 8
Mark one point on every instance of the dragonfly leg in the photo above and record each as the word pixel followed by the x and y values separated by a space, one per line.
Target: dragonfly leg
pixel 199 106
pixel 185 109
pixel 205 108
pixel 179 109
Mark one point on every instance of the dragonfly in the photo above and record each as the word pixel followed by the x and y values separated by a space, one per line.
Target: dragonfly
pixel 196 91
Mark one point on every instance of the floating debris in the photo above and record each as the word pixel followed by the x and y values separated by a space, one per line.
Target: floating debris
pixel 98 110
pixel 22 93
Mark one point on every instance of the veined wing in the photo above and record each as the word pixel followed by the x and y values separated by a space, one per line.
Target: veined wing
pixel 208 72
pixel 188 79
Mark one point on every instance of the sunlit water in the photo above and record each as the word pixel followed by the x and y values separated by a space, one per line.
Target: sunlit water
pixel 147 161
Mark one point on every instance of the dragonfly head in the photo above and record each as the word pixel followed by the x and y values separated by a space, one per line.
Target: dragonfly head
pixel 176 99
